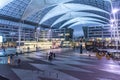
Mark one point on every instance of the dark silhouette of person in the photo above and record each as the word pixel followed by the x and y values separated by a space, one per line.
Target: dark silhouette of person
pixel 4 50
pixel 19 61
pixel 81 49
pixel 28 49
pixel 54 55
pixel 50 58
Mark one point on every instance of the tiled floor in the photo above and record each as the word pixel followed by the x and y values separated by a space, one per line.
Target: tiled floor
pixel 65 66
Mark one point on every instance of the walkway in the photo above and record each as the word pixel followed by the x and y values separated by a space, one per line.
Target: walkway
pixel 66 66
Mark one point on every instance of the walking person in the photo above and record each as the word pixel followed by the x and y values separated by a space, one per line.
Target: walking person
pixel 19 61
pixel 11 59
pixel 54 55
pixel 16 53
pixel 28 49
pixel 81 49
pixel 50 58
pixel 4 51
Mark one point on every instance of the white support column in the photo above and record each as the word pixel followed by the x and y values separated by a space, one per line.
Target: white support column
pixel 19 35
pixel 88 32
pixel 102 33
pixel 64 34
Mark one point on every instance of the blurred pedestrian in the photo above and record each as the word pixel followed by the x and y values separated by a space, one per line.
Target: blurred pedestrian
pixel 54 55
pixel 81 49
pixel 50 58
pixel 19 61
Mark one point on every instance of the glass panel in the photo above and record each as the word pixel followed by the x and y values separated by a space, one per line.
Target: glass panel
pixel 15 7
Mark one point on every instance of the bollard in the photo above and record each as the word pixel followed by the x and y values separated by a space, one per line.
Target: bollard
pixel 32 70
pixel 49 74
pixel 43 72
pixel 57 75
pixel 32 74
pixel 37 71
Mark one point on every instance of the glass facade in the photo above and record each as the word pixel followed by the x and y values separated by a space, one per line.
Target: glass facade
pixel 55 34
pixel 10 31
pixel 97 32
pixel 22 17
pixel 15 8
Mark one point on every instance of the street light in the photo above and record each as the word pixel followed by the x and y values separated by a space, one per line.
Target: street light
pixel 112 26
pixel 112 31
pixel 38 33
pixel 114 22
pixel 115 10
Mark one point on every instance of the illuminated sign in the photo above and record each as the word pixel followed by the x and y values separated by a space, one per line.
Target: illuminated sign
pixel 60 34
pixel 67 34
pixel 1 39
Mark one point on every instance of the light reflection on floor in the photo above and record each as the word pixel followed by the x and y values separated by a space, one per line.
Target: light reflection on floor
pixel 71 65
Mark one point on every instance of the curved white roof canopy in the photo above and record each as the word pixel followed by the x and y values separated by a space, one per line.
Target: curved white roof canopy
pixel 37 5
pixel 71 15
pixel 85 23
pixel 79 30
pixel 82 19
pixel 62 7
pixel 108 0
pixel 65 8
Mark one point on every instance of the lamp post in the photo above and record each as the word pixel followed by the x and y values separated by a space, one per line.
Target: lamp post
pixel 112 29
pixel 37 33
pixel 115 25
pixel 19 36
pixel 102 27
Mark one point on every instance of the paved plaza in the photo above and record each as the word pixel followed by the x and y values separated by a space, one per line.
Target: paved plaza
pixel 65 66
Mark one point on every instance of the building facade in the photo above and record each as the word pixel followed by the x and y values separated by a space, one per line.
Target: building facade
pixel 56 34
pixel 97 32
pixel 11 32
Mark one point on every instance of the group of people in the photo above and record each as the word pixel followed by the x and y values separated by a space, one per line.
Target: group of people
pixel 51 56
pixel 14 60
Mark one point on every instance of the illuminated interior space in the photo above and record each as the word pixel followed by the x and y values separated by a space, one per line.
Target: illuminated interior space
pixel 59 39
